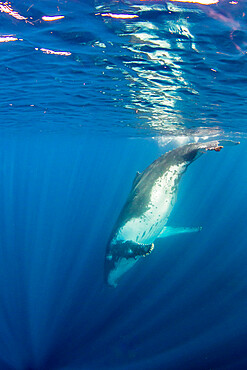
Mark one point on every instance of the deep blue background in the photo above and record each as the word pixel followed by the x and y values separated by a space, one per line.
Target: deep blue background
pixel 181 307
pixel 73 132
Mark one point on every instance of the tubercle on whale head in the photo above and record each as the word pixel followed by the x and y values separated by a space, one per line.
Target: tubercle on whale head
pixel 149 251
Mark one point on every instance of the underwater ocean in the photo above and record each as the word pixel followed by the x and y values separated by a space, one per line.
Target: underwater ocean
pixel 92 92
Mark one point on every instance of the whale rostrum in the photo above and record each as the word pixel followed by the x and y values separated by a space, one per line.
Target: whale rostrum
pixel 147 209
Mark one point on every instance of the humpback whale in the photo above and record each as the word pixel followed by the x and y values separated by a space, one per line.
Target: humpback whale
pixel 145 214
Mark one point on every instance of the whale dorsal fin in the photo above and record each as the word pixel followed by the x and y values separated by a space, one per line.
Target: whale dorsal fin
pixel 136 179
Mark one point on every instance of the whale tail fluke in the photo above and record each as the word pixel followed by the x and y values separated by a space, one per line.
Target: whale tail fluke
pixel 216 145
pixel 228 142
pixel 193 151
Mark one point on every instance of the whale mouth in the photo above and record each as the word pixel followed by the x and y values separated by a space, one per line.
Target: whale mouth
pixel 129 249
pixel 123 255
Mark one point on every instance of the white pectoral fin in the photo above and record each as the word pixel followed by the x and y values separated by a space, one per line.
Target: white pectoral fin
pixel 168 231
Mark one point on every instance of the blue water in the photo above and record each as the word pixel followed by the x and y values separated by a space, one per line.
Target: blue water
pixel 86 101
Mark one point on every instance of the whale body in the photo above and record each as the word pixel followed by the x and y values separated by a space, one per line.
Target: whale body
pixel 145 214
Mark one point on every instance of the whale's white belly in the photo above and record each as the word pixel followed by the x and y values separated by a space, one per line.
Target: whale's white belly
pixel 147 227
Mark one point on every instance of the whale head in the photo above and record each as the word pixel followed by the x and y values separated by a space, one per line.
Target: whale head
pixel 121 256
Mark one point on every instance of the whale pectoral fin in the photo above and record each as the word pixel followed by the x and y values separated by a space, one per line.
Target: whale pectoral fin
pixel 168 231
